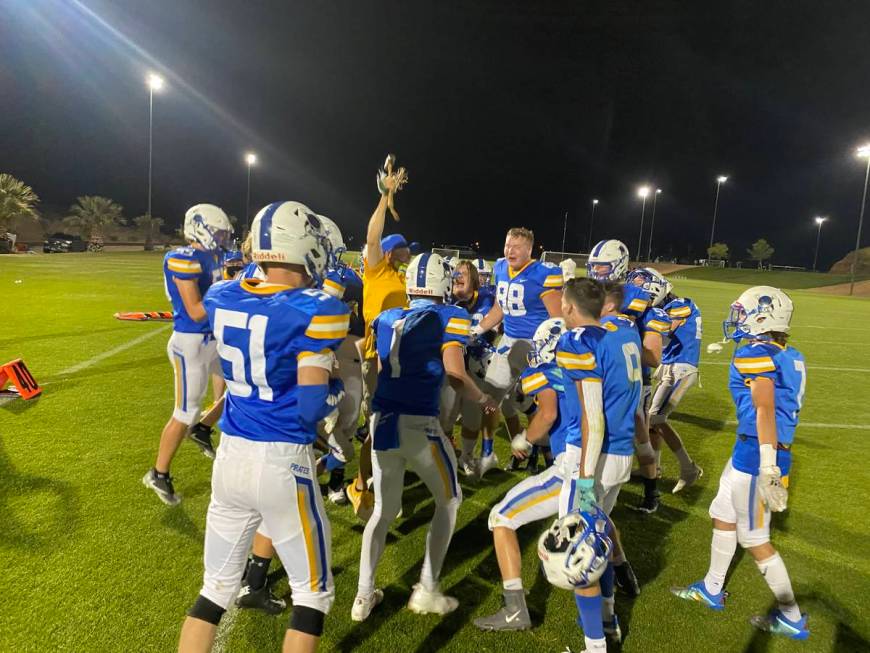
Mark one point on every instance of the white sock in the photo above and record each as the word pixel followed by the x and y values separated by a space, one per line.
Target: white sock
pixel 775 574
pixel 686 464
pixel 468 447
pixel 722 549
pixel 512 584
pixel 593 645
pixel 607 608
pixel 658 459
pixel 437 541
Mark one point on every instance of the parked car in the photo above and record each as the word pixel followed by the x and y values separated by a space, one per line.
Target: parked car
pixel 63 243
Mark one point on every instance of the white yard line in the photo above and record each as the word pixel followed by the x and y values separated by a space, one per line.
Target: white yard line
pixel 809 367
pixel 78 367
pixel 223 631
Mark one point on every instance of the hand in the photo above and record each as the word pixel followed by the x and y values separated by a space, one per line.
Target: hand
pixel 488 404
pixel 475 331
pixel 520 446
pixel 773 492
pixel 584 488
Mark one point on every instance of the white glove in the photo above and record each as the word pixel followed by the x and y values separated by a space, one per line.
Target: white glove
pixel 330 421
pixel 520 445
pixel 475 331
pixel 714 348
pixel 773 492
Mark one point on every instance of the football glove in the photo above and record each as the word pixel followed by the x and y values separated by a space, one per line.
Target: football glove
pixel 519 444
pixel 585 490
pixel 773 492
pixel 714 348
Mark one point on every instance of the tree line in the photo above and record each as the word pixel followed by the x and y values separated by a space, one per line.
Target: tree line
pixel 760 251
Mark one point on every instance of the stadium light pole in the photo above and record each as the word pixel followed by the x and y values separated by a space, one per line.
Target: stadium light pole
pixel 591 222
pixel 819 221
pixel 643 193
pixel 863 152
pixel 155 83
pixel 251 160
pixel 652 225
pixel 564 231
pixel 721 179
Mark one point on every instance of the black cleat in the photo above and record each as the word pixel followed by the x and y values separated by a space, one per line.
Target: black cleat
pixel 649 504
pixel 513 465
pixel 261 599
pixel 362 433
pixel 200 434
pixel 162 486
pixel 625 580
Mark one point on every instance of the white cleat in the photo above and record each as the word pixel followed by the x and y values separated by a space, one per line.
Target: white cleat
pixel 423 601
pixel 363 605
pixel 687 479
pixel 338 497
pixel 468 465
pixel 487 463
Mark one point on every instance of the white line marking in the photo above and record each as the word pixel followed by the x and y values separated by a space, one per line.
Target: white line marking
pixel 821 425
pixel 828 326
pixel 223 631
pixel 809 367
pixel 78 367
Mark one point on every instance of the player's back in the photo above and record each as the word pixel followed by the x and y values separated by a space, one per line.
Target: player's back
pixel 189 263
pixel 520 294
pixel 410 342
pixel 635 300
pixel 684 343
pixel 263 330
pixel 620 361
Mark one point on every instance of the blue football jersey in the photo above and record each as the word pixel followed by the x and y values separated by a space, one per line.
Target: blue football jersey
pixel 189 263
pixel 619 358
pixel 549 375
pixel 578 354
pixel 519 295
pixel 479 305
pixel 262 331
pixel 410 342
pixel 349 285
pixel 252 271
pixel 653 320
pixel 684 344
pixel 787 368
pixel 635 300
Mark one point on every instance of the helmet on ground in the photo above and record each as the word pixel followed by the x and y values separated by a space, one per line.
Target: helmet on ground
pixel 545 340
pixel 653 282
pixel 757 311
pixel 608 261
pixel 207 225
pixel 575 550
pixel 484 271
pixel 429 275
pixel 290 232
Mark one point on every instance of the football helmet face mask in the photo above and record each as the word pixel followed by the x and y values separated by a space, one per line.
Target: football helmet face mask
pixel 484 271
pixel 758 311
pixel 335 240
pixel 575 550
pixel 429 275
pixel 651 281
pixel 209 226
pixel 290 232
pixel 545 340
pixel 608 261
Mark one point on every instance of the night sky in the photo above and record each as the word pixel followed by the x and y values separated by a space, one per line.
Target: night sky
pixel 505 113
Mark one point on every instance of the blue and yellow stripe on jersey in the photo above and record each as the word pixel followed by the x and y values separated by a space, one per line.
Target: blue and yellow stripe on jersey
pixel 553 281
pixel 328 327
pixel 680 311
pixel 458 326
pixel 658 326
pixel 572 361
pixel 312 533
pixel 443 465
pixel 754 365
pixel 333 285
pixel 532 497
pixel 637 304
pixel 533 382
pixel 183 265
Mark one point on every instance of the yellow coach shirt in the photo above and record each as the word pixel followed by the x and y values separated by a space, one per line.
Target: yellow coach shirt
pixel 383 288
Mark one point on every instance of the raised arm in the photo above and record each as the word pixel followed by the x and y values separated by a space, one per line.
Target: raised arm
pixel 374 253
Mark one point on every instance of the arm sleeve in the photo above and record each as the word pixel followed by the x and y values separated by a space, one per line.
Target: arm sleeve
pixel 457 326
pixel 576 355
pixel 754 361
pixel 183 265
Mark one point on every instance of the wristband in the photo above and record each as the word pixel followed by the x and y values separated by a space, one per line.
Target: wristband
pixel 585 483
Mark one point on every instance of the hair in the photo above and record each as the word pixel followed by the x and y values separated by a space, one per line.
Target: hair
pixel 247 247
pixel 473 273
pixel 613 292
pixel 587 295
pixel 521 232
pixel 779 337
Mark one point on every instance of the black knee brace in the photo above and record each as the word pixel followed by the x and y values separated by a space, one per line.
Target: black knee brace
pixel 206 610
pixel 307 620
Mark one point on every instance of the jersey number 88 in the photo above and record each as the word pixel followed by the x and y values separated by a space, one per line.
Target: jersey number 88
pixel 510 298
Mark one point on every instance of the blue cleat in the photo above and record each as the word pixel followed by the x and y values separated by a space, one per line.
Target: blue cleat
pixel 697 592
pixel 778 624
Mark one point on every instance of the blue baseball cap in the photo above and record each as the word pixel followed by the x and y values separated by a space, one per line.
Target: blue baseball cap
pixel 415 248
pixel 393 241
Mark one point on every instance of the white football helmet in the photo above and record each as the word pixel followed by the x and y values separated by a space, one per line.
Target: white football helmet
pixel 290 232
pixel 653 282
pixel 575 550
pixel 545 340
pixel 484 271
pixel 608 261
pixel 569 269
pixel 429 275
pixel 335 240
pixel 207 225
pixel 757 311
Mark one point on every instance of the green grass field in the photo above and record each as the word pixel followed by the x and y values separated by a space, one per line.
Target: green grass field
pixel 92 561
pixel 780 278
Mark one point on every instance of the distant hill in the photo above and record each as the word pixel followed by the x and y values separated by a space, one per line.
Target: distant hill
pixel 844 265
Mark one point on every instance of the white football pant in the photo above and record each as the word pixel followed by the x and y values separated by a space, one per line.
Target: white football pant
pixel 674 382
pixel 350 373
pixel 738 502
pixel 194 358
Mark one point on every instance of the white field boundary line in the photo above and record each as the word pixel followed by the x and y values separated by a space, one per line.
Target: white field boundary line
pixel 78 367
pixel 223 630
pixel 865 370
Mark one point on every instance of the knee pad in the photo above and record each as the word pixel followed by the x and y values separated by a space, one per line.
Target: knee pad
pixel 206 610
pixel 307 620
pixel 750 538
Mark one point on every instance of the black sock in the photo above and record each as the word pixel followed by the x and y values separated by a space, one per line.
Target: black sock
pixel 649 488
pixel 336 479
pixel 258 569
pixel 161 474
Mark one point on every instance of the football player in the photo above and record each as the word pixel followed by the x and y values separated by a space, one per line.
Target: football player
pixel 276 339
pixel 416 347
pixel 188 272
pixel 767 382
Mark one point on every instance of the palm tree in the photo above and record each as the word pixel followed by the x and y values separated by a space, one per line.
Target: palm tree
pixel 92 214
pixel 17 199
pixel 149 224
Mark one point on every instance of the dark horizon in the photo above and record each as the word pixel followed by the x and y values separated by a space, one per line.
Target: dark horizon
pixel 504 114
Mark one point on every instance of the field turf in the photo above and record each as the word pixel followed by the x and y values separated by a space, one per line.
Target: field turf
pixel 92 561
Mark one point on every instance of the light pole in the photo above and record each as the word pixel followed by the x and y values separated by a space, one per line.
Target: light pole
pixel 652 225
pixel 863 152
pixel 819 221
pixel 591 222
pixel 721 179
pixel 642 193
pixel 251 160
pixel 564 230
pixel 155 83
